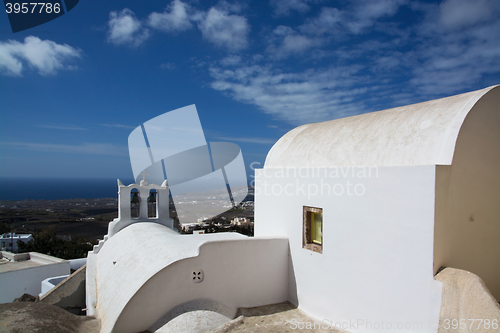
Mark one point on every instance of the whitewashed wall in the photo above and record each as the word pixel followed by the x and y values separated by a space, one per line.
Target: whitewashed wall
pixel 17 282
pixel 145 271
pixel 468 197
pixel 376 267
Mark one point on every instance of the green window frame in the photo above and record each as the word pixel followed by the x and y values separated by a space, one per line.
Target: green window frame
pixel 312 233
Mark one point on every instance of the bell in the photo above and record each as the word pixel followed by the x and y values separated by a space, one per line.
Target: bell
pixel 152 197
pixel 135 198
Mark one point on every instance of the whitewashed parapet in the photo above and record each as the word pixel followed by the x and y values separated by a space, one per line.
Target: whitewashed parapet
pixel 99 245
pixel 142 257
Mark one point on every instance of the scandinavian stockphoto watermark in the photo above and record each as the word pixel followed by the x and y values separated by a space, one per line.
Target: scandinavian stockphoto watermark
pixel 357 324
pixel 365 324
pixel 205 179
pixel 313 181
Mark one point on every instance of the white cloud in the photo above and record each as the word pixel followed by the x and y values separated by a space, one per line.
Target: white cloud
pixel 217 25
pixel 231 60
pixel 394 62
pixel 389 62
pixel 374 59
pixel 85 148
pixel 175 18
pixel 230 7
pixel 283 30
pixel 453 62
pixel 298 98
pixel 329 21
pixel 297 43
pixel 126 29
pixel 285 41
pixel 44 55
pixel 357 19
pixel 366 13
pixel 456 14
pixel 285 7
pixel 455 53
pixel 224 30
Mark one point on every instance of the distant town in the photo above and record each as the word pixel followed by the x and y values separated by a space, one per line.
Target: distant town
pixel 87 219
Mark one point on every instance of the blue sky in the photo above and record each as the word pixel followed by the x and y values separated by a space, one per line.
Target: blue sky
pixel 73 89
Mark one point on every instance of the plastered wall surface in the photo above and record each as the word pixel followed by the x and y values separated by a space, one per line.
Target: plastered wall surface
pixel 467 234
pixel 146 270
pixel 376 264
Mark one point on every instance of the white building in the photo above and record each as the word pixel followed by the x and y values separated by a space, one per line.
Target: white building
pixel 187 227
pixel 374 205
pixel 240 220
pixel 24 272
pixel 8 241
pixel 144 275
pixel 353 218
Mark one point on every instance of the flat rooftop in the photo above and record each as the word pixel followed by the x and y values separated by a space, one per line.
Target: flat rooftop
pixel 17 261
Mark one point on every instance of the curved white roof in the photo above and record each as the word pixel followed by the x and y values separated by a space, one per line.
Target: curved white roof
pixel 418 134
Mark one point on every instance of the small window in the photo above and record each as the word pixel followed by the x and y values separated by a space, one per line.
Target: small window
pixel 312 236
pixel 316 228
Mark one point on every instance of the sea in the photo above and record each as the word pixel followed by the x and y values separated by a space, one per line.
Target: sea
pixel 58 188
